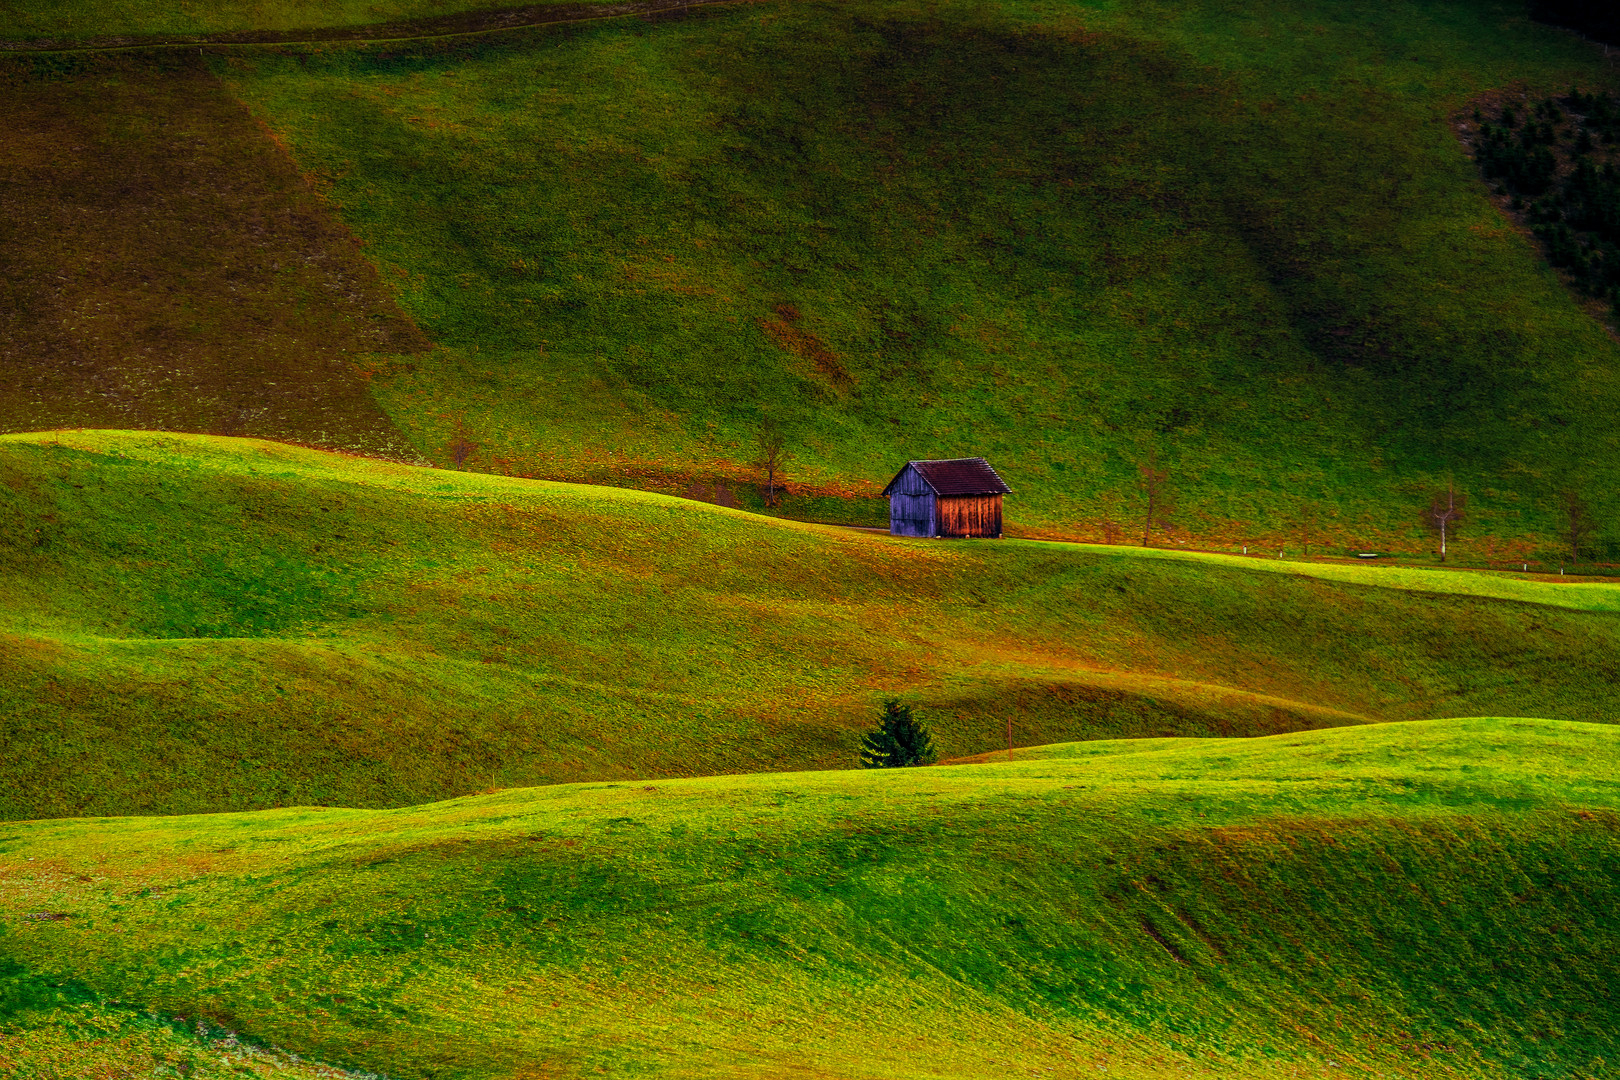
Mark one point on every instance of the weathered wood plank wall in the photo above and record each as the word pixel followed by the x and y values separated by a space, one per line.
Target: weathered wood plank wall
pixel 969 515
pixel 911 515
pixel 911 506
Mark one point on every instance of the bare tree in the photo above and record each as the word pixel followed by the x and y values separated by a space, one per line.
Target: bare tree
pixel 773 455
pixel 1447 511
pixel 1579 524
pixel 1160 501
pixel 1307 526
pixel 461 447
pixel 1114 514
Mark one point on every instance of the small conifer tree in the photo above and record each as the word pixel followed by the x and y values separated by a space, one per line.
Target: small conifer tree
pixel 898 740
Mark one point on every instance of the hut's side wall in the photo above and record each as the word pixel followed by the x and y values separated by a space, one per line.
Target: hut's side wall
pixel 970 515
pixel 911 506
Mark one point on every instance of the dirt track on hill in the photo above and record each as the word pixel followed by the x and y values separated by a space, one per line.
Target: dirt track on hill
pixel 476 22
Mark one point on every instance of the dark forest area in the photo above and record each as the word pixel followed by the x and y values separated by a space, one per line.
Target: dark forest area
pixel 1595 18
pixel 1556 159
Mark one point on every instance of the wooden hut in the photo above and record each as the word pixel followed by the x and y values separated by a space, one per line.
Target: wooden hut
pixel 956 497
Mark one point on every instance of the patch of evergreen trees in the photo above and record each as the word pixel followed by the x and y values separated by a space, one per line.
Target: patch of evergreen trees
pixel 1559 165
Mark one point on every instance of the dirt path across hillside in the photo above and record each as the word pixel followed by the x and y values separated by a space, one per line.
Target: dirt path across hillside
pixel 474 22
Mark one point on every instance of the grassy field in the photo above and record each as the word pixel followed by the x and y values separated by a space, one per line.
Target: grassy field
pixel 1065 236
pixel 48 1033
pixel 1401 900
pixel 196 623
pixel 1241 241
pixel 1587 594
pixel 1069 236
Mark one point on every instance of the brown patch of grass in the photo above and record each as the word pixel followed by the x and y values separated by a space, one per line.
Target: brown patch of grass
pixel 163 265
pixel 717 493
pixel 666 276
pixel 785 331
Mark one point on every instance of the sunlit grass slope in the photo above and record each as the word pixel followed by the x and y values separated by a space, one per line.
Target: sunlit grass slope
pixel 1407 900
pixel 1067 235
pixel 1063 235
pixel 198 623
pixel 49 1031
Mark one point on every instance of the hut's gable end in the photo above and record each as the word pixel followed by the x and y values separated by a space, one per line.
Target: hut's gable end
pixel 911 505
pixel 909 482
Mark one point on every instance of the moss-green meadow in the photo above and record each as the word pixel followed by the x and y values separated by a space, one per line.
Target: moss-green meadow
pixel 1375 901
pixel 193 623
pixel 196 623
pixel 426 734
pixel 1244 240
pixel 1063 237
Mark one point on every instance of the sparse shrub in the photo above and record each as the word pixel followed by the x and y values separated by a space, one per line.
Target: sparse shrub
pixel 461 446
pixel 1157 497
pixel 899 740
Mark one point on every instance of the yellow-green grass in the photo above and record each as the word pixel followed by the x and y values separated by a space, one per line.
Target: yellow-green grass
pixel 1581 595
pixel 1065 236
pixel 1410 900
pixel 86 1039
pixel 193 623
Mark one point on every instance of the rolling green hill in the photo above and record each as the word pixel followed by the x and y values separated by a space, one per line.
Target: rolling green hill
pixel 195 623
pixel 1064 236
pixel 1243 240
pixel 1410 900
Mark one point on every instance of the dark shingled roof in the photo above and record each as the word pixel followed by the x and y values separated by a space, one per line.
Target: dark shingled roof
pixel 958 476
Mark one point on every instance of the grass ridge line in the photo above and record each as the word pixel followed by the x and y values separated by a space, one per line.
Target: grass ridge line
pixel 1255 908
pixel 363 35
pixel 1602 596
